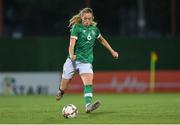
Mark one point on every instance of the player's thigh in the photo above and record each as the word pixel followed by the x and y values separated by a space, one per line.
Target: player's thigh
pixel 87 78
pixel 86 72
pixel 68 70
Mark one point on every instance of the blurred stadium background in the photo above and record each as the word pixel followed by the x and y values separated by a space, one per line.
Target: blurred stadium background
pixel 34 39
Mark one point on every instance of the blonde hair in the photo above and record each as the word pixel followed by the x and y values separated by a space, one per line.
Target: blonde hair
pixel 76 19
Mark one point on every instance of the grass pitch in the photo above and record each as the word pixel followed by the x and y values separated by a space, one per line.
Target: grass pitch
pixel 116 108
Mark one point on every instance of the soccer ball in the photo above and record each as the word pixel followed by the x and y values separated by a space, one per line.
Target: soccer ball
pixel 69 111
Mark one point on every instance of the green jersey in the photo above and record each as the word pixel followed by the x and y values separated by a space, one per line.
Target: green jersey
pixel 86 37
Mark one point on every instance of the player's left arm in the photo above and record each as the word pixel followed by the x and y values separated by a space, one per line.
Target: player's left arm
pixel 104 42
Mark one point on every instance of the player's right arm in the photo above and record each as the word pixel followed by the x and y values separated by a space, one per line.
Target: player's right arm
pixel 71 48
pixel 73 39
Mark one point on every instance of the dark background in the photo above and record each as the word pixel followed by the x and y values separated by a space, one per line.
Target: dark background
pixel 115 17
pixel 35 33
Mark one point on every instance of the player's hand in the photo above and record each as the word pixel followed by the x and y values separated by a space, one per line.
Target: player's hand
pixel 115 54
pixel 73 57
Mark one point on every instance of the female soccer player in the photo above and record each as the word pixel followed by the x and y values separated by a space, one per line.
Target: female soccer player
pixel 82 38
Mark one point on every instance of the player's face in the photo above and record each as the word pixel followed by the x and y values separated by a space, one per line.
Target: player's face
pixel 87 19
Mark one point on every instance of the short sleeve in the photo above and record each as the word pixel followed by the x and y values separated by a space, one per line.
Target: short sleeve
pixel 74 32
pixel 98 33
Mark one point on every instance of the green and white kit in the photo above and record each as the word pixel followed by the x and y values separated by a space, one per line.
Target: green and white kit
pixel 85 39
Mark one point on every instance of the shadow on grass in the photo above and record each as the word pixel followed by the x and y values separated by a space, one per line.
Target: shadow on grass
pixel 97 113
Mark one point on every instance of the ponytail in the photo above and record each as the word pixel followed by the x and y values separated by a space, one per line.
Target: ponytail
pixel 76 19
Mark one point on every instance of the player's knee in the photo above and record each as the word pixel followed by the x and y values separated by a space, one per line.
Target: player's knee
pixel 88 83
pixel 87 79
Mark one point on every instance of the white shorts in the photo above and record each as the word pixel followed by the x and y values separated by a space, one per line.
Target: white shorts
pixel 70 68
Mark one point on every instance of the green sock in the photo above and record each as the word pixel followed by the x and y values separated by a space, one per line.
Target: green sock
pixel 88 94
